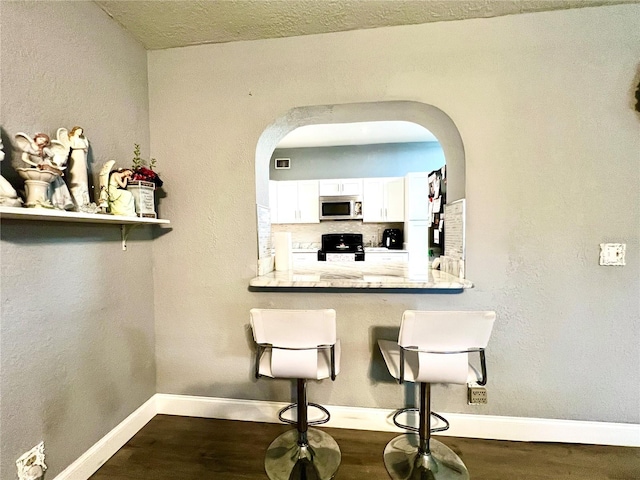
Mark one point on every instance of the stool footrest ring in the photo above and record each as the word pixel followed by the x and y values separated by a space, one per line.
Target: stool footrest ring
pixel 415 429
pixel 326 418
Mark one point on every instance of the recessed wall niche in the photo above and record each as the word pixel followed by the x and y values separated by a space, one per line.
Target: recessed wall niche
pixel 428 116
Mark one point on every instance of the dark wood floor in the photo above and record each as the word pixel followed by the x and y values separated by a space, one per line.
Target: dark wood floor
pixel 184 448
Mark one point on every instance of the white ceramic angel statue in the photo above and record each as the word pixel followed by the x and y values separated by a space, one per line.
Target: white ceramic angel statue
pixel 41 151
pixel 8 195
pixel 48 159
pixel 113 193
pixel 77 174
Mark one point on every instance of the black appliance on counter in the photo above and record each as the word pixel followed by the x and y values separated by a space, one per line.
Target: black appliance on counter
pixel 392 238
pixel 341 247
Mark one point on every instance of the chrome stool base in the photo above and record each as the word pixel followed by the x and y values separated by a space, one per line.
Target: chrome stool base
pixel 403 461
pixel 318 459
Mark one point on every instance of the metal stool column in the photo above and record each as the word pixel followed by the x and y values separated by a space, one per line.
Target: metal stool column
pixel 305 453
pixel 420 457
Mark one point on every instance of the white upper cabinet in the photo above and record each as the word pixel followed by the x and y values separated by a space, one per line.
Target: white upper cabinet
pixel 416 186
pixel 341 186
pixel 297 202
pixel 383 199
pixel 273 200
pixel 308 202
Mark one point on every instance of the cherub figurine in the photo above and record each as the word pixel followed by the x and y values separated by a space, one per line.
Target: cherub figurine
pixel 45 154
pixel 113 193
pixel 8 195
pixel 40 151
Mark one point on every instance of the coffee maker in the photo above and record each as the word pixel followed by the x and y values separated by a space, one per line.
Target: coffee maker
pixel 392 238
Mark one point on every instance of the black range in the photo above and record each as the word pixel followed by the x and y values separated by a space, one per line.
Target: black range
pixel 341 247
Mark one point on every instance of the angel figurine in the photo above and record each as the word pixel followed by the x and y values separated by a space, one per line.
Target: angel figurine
pixel 48 159
pixel 77 143
pixel 113 193
pixel 8 195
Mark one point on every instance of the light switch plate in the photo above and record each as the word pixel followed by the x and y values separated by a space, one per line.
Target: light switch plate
pixel 612 253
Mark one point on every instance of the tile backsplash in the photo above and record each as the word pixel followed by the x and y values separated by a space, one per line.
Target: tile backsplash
pixel 309 235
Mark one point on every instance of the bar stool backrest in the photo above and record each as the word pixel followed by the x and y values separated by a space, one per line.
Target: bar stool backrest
pixel 291 339
pixel 294 328
pixel 446 332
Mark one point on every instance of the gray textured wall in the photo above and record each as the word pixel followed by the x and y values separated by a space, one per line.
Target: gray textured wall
pixel 544 106
pixel 77 336
pixel 354 161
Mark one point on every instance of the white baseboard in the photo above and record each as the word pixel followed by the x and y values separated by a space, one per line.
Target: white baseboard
pixel 377 419
pixel 492 427
pixel 91 460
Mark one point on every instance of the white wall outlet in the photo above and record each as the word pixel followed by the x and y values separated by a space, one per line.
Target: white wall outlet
pixel 477 395
pixel 31 464
pixel 612 253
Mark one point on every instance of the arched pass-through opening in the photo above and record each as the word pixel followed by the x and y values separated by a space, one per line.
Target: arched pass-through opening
pixel 428 116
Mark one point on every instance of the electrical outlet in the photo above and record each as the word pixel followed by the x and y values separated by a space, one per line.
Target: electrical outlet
pixel 31 465
pixel 477 395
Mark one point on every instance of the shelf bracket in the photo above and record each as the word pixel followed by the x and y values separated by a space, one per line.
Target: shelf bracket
pixel 125 230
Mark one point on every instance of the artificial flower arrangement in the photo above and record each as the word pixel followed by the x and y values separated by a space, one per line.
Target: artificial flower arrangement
pixel 142 184
pixel 142 172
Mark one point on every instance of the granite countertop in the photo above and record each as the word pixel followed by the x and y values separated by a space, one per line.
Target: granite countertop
pixel 360 275
pixel 383 250
pixel 366 249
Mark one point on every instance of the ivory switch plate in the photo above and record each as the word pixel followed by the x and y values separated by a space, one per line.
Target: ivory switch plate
pixel 612 253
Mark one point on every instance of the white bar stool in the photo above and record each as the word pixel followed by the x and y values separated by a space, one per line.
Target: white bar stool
pixel 298 344
pixel 433 347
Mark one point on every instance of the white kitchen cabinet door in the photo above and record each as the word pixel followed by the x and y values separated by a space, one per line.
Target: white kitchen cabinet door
pixel 341 187
pixel 308 202
pixel 297 201
pixel 352 186
pixel 273 200
pixel 305 257
pixel 383 200
pixel 287 201
pixel 373 200
pixel 394 200
pixel 330 187
pixel 386 257
pixel 416 187
pixel 417 241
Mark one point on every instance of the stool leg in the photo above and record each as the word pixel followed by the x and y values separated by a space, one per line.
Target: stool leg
pixel 425 417
pixel 420 457
pixel 304 453
pixel 303 422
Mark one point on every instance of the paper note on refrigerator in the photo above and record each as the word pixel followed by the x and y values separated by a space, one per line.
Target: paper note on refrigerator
pixel 436 204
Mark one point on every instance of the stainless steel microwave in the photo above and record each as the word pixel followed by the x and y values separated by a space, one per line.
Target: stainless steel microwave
pixel 341 208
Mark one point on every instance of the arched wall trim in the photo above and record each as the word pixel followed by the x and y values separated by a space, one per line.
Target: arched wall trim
pixel 430 117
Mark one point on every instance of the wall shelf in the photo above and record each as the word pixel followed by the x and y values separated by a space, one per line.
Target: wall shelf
pixel 49 215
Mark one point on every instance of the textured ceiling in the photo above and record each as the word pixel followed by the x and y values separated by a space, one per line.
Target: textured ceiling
pixel 177 23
